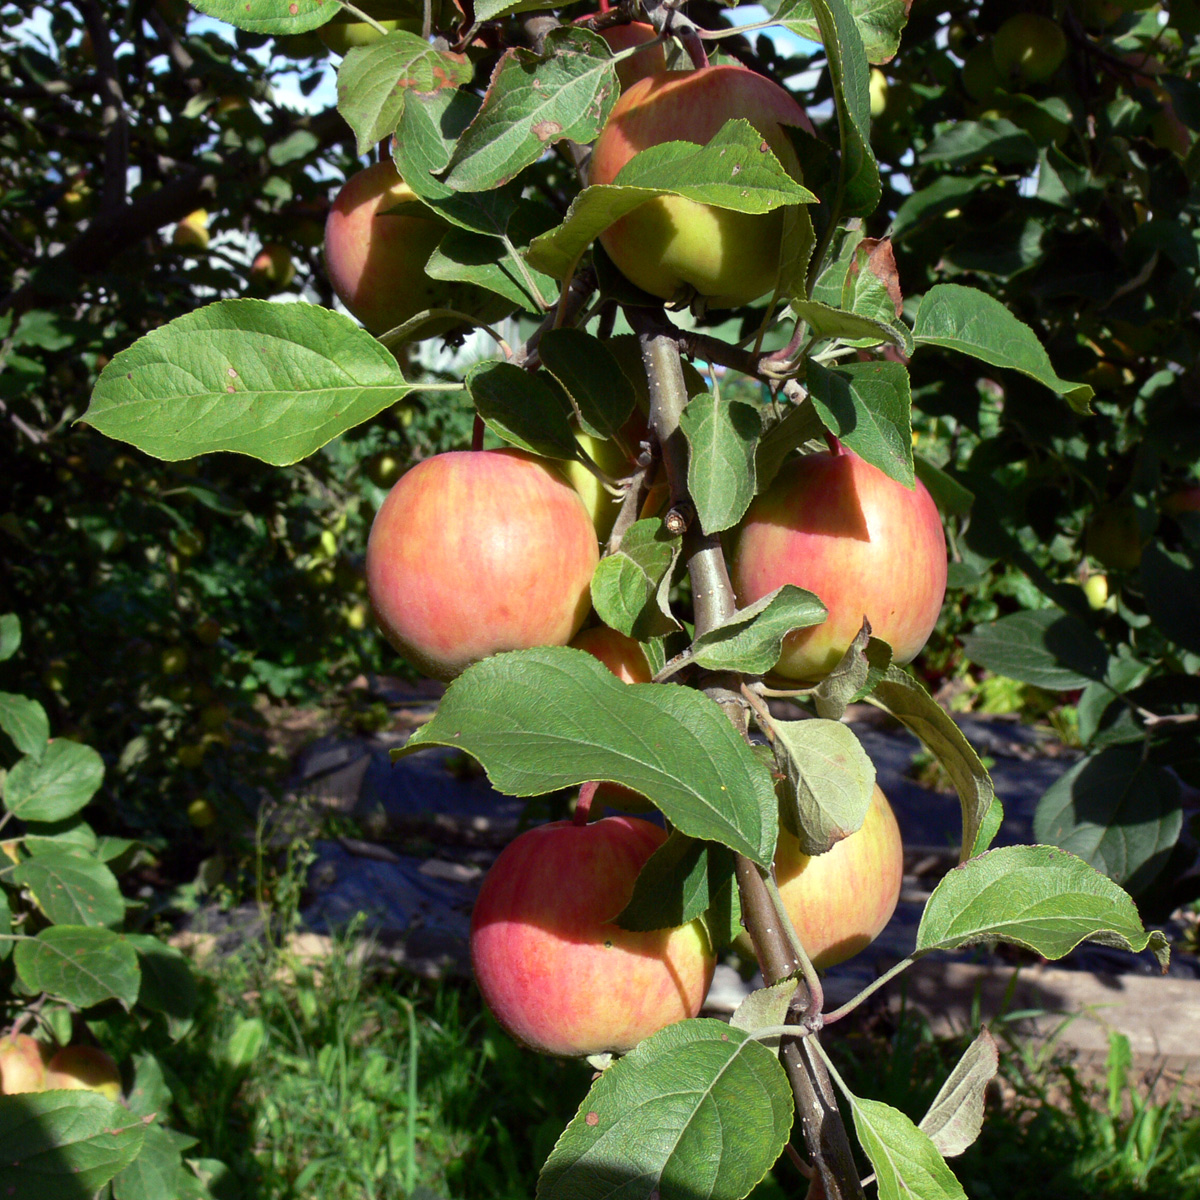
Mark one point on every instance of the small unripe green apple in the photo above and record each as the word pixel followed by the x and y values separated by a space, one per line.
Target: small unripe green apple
pixel 207 631
pixel 342 36
pixel 188 542
pixel 173 660
pixel 601 504
pixel 475 552
pixel 1095 588
pixel 879 92
pixel 192 232
pixel 384 468
pixel 554 969
pixel 201 814
pixel 672 247
pixel 1028 48
pixel 84 1068
pixel 840 901
pixel 272 269
pixel 865 544
pixel 22 1065
pixel 1114 537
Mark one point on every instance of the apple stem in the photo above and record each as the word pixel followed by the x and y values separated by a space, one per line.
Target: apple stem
pixel 583 806
pixel 835 447
pixel 477 433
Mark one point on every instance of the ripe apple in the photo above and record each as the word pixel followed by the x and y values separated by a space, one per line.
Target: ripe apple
pixel 192 231
pixel 840 901
pixel 555 971
pixel 376 261
pixel 22 1065
pixel 637 66
pixel 672 247
pixel 84 1068
pixel 1114 537
pixel 865 544
pixel 272 269
pixel 478 551
pixel 1028 48
pixel 620 654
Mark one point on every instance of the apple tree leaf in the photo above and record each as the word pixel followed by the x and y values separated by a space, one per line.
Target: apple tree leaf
pixel 855 329
pixel 274 381
pixel 529 411
pixel 699 1109
pixel 168 984
pixel 948 494
pixel 629 588
pixel 972 322
pixel 533 101
pixel 10 635
pixel 906 1161
pixel 1118 812
pixel 157 1172
pixel 25 722
pixel 600 391
pixel 864 664
pixel 55 786
pixel 1046 647
pixel 540 720
pixel 72 889
pixel 1039 897
pixel 733 171
pixel 801 424
pixel 270 16
pixel 64 1144
pixel 722 436
pixel 831 778
pixel 765 1008
pixel 955 1117
pixel 879 22
pixel 751 640
pixel 1170 581
pixel 681 880
pixel 901 695
pixel 373 82
pixel 79 964
pixel 868 406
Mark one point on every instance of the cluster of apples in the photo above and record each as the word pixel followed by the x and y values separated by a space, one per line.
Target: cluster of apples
pixel 27 1065
pixel 477 552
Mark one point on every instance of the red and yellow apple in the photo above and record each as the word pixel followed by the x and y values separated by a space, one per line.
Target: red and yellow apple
pixel 645 62
pixel 840 901
pixel 192 232
pixel 22 1065
pixel 376 259
pixel 84 1068
pixel 555 971
pixel 474 552
pixel 622 655
pixel 865 544
pixel 672 247
pixel 272 268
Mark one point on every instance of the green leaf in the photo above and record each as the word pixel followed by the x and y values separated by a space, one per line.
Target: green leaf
pixel 766 1008
pixel 879 24
pixel 529 411
pixel 679 882
pixel 168 985
pixel 699 1109
pixel 1171 583
pixel 972 322
pixel 901 695
pixel 831 777
pixel 864 664
pixel 1045 647
pixel 629 588
pixel 10 635
pixel 6 945
pixel 1039 897
pixel 533 101
pixel 722 437
pixel 855 329
pixel 1120 814
pixel 156 1172
pixel 71 889
pixel 270 16
pixel 752 638
pixel 868 406
pixel 907 1163
pixel 966 143
pixel 600 392
pixel 149 1093
pixel 274 381
pixel 955 1117
pixel 80 965
pixel 930 204
pixel 245 1042
pixel 374 81
pixel 57 786
pixel 733 171
pixel 63 1145
pixel 25 722
pixel 948 494
pixel 72 836
pixel 540 720
pixel 801 424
